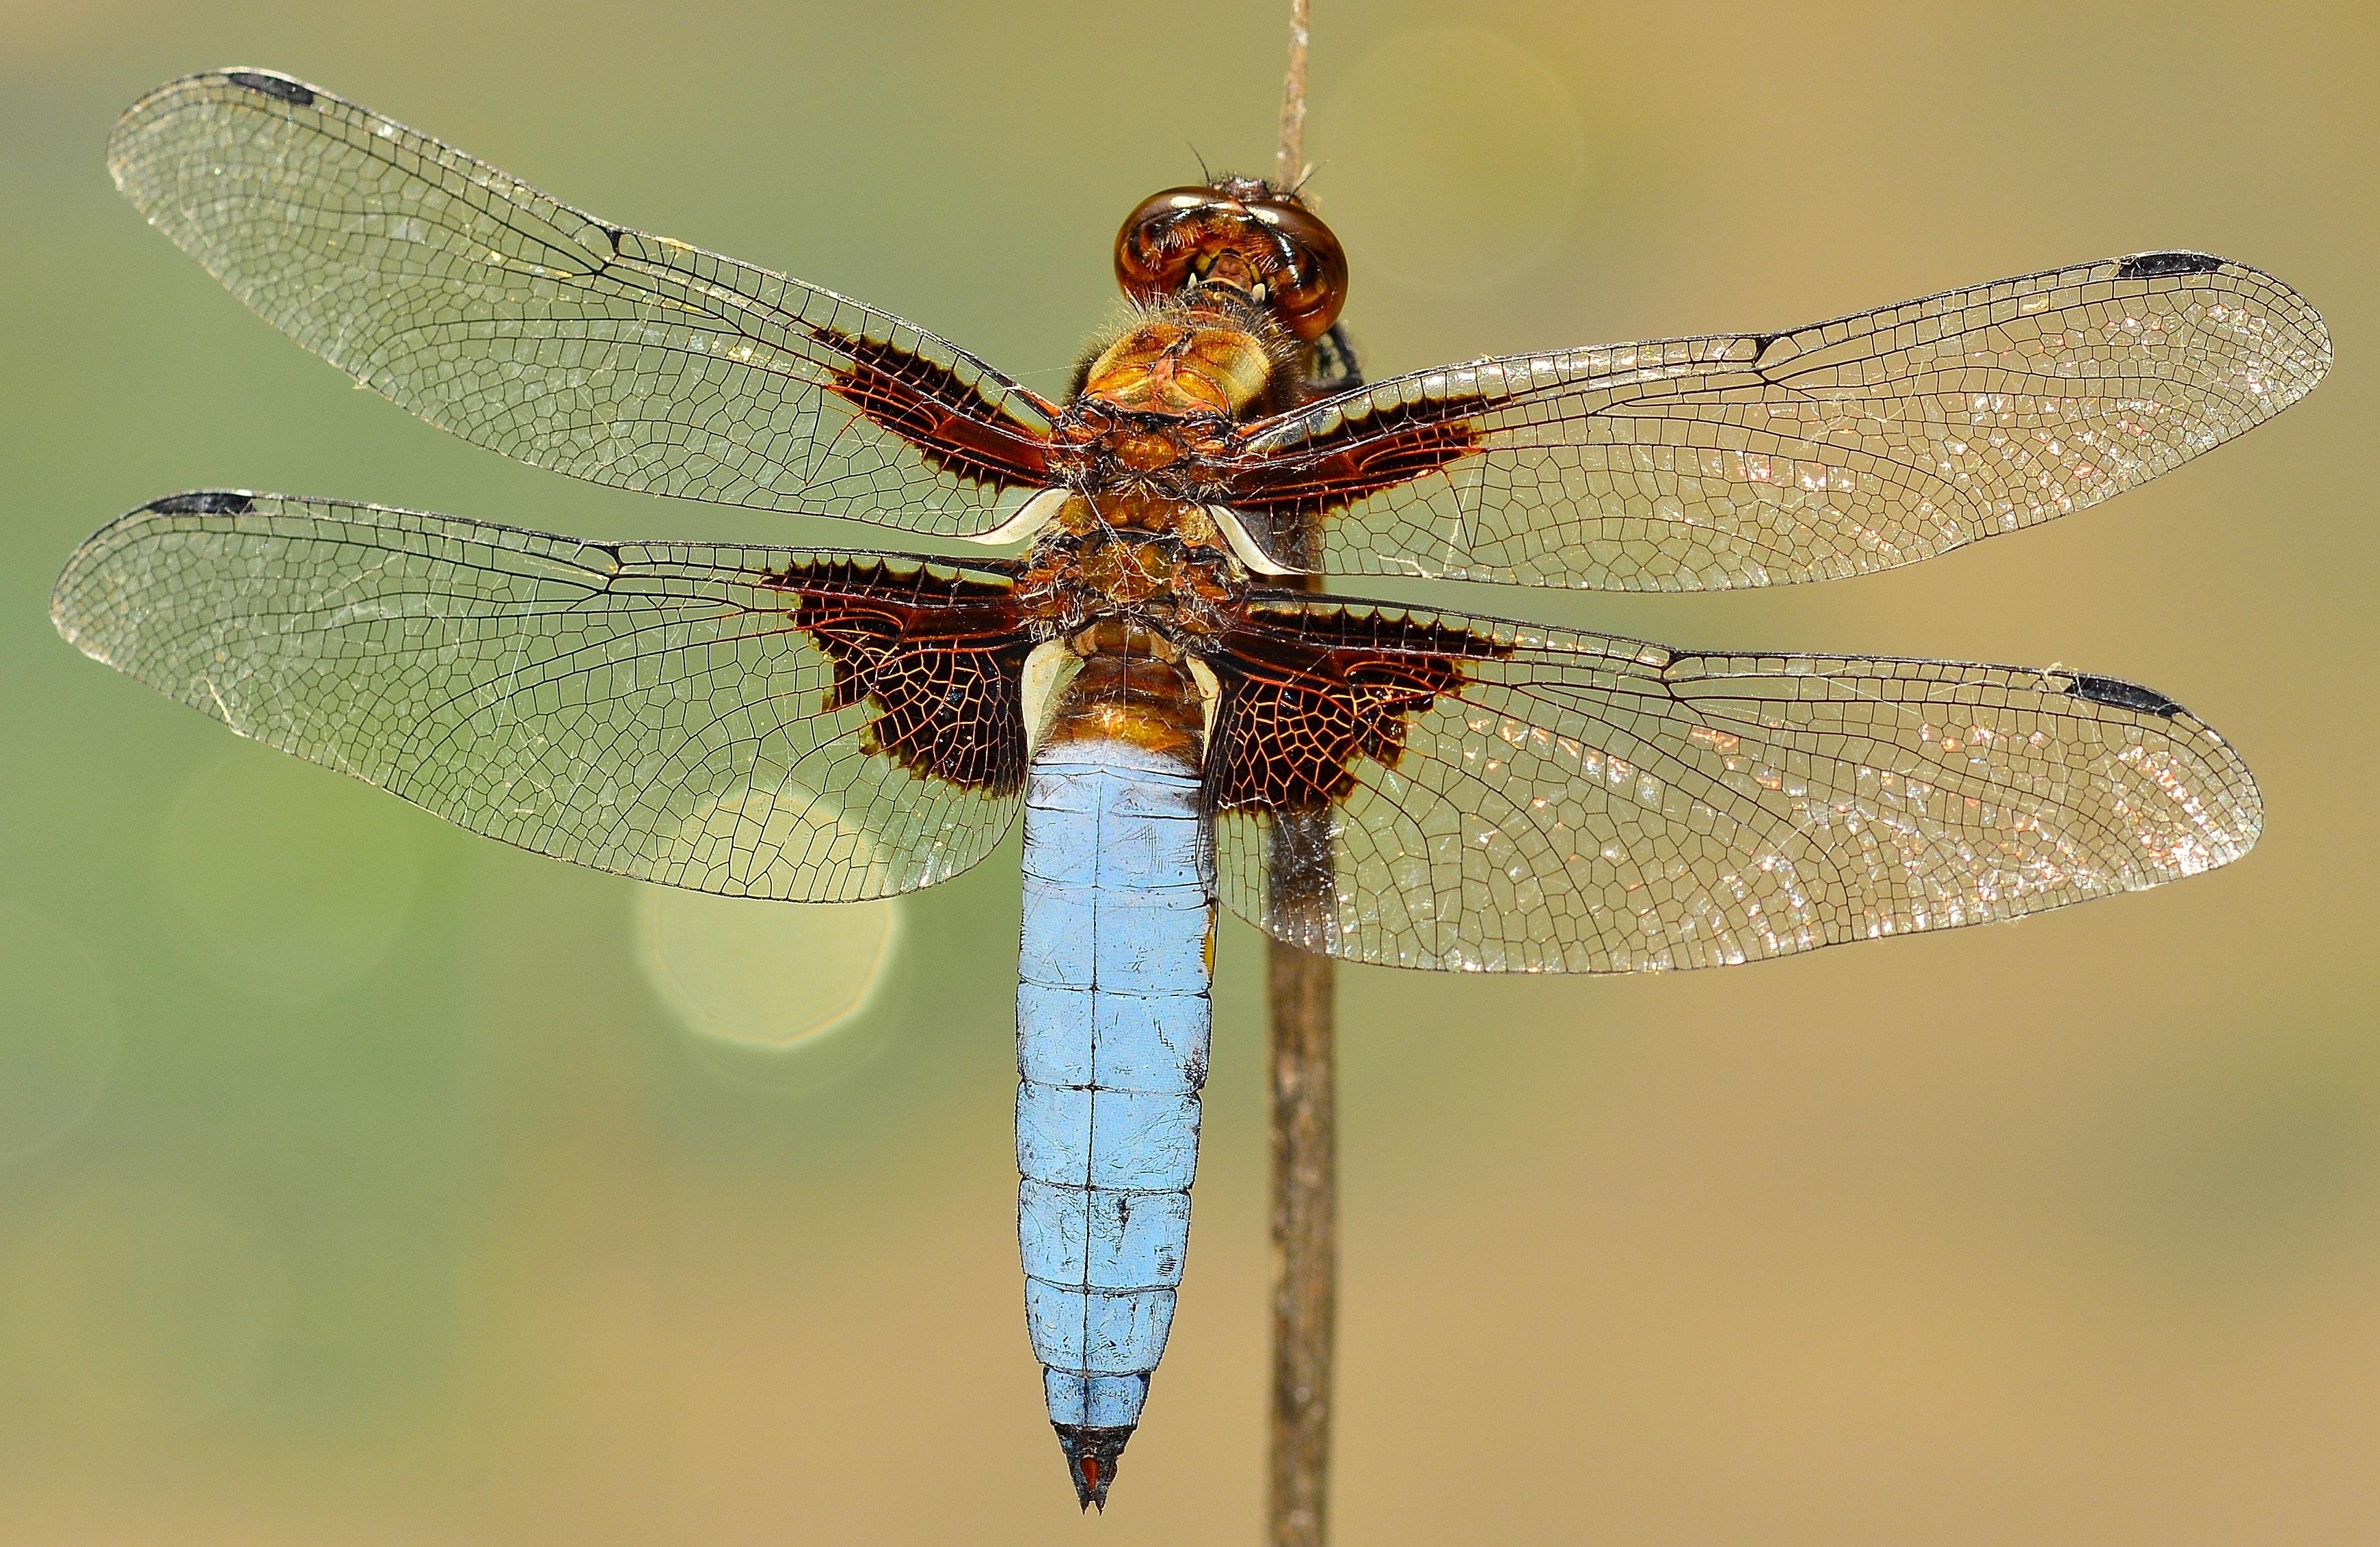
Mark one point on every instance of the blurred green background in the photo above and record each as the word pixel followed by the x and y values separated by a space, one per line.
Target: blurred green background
pixel 357 1186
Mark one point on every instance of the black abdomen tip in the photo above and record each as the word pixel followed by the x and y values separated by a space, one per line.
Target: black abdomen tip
pixel 1091 1453
pixel 273 86
pixel 2156 265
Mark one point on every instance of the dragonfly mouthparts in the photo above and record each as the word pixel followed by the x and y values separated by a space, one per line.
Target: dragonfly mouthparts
pixel 1091 1453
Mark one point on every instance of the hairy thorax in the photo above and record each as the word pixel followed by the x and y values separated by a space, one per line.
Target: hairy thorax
pixel 1136 576
pixel 1155 410
pixel 1134 539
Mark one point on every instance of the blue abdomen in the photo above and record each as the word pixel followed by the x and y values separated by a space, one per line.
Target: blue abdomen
pixel 1112 1030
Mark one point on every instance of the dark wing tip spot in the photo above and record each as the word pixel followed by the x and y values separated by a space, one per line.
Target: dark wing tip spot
pixel 2123 696
pixel 273 86
pixel 2156 265
pixel 206 501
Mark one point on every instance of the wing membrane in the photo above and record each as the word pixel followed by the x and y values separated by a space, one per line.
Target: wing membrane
pixel 1754 459
pixel 756 723
pixel 540 331
pixel 1515 799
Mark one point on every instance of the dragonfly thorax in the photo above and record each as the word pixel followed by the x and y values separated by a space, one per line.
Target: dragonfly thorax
pixel 1160 565
pixel 1183 363
pixel 1157 407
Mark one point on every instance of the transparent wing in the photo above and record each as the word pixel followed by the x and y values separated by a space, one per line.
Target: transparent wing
pixel 1754 459
pixel 546 334
pixel 756 723
pixel 1497 797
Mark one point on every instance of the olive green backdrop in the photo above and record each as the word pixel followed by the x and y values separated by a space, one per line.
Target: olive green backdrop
pixel 356 1188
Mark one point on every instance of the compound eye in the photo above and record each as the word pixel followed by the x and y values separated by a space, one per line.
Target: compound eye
pixel 1311 286
pixel 1266 243
pixel 1161 238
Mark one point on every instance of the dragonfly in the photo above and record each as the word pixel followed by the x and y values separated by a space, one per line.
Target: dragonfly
pixel 1139 659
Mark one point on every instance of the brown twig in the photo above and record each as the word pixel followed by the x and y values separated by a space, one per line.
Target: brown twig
pixel 1305 1124
pixel 1289 166
pixel 1304 1213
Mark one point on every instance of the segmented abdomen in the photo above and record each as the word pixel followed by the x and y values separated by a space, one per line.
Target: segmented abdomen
pixel 1112 1033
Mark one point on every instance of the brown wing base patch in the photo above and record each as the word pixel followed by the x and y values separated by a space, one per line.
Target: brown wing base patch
pixel 1306 694
pixel 1359 458
pixel 941 656
pixel 949 424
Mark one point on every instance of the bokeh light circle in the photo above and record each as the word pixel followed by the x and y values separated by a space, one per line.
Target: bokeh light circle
pixel 775 974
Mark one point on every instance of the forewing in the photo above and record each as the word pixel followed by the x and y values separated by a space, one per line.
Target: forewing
pixel 540 331
pixel 1754 459
pixel 1492 797
pixel 752 722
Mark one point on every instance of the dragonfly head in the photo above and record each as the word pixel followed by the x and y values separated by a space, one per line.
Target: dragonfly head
pixel 1242 234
